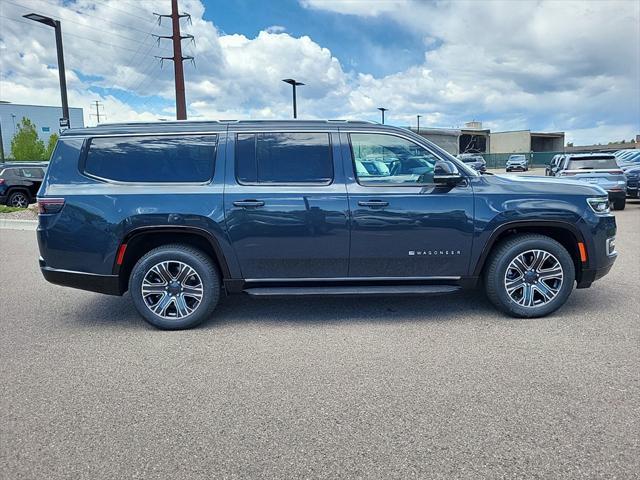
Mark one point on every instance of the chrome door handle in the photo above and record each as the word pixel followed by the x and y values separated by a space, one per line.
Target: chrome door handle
pixel 249 203
pixel 373 203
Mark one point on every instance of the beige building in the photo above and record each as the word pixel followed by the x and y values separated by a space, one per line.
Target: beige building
pixel 520 141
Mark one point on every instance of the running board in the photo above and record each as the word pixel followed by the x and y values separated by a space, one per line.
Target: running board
pixel 352 290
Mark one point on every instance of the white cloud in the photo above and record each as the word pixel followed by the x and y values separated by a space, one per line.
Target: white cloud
pixel 554 65
pixel 368 8
pixel 275 29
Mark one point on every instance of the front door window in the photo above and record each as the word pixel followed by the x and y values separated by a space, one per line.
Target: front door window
pixel 390 160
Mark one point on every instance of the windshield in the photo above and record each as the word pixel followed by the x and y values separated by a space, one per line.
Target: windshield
pixel 517 157
pixel 606 163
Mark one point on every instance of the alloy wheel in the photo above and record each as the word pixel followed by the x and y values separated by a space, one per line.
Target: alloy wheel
pixel 172 290
pixel 533 278
pixel 19 200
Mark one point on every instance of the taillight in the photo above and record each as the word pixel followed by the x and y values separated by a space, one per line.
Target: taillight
pixel 1 181
pixel 50 205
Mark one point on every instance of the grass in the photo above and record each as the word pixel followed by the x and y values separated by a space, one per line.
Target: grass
pixel 5 209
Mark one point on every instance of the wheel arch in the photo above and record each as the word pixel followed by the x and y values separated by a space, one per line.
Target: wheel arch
pixel 144 239
pixel 564 233
pixel 19 188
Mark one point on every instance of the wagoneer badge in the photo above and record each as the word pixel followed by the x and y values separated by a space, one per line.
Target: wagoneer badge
pixel 434 253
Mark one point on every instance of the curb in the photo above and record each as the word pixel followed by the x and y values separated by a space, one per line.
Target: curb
pixel 11 224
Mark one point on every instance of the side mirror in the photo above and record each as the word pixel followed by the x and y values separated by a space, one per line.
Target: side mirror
pixel 446 173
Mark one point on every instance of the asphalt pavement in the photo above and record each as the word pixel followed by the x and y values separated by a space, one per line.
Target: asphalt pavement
pixel 441 387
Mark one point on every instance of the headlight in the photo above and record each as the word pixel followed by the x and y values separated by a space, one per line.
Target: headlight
pixel 599 204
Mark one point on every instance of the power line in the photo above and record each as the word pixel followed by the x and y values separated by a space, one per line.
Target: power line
pixel 109 5
pixel 102 19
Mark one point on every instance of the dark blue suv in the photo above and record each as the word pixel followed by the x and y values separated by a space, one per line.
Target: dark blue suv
pixel 178 213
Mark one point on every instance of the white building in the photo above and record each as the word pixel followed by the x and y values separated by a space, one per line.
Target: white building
pixel 45 118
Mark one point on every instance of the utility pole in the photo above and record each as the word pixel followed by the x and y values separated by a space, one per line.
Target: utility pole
pixel 97 114
pixel 1 143
pixel 418 118
pixel 178 70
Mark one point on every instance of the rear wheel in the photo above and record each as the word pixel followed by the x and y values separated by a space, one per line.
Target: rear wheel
pixel 529 276
pixel 18 199
pixel 619 204
pixel 175 287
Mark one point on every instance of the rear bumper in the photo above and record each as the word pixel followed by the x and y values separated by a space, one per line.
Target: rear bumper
pixel 107 284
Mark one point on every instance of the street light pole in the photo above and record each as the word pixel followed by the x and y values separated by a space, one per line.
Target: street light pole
pixel 65 120
pixel 418 129
pixel 382 110
pixel 294 84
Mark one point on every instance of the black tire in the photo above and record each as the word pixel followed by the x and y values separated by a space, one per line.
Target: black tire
pixel 207 276
pixel 498 263
pixel 18 199
pixel 619 204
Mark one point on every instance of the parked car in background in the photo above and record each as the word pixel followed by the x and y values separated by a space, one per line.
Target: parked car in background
pixel 628 154
pixel 517 162
pixel 550 170
pixel 19 183
pixel 598 169
pixel 632 175
pixel 474 160
pixel 178 213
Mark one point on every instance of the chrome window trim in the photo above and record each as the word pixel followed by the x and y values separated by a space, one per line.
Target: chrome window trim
pixel 144 134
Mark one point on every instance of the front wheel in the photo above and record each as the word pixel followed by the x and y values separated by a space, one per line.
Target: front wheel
pixel 175 287
pixel 529 276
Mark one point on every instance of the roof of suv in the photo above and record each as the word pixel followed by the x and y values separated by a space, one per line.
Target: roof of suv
pixel 186 126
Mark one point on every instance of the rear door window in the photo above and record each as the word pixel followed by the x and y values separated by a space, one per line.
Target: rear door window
pixel 152 159
pixel 284 158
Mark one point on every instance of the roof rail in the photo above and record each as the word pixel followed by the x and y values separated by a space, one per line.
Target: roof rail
pixel 225 121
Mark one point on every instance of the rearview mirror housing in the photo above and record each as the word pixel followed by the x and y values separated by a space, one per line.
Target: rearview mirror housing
pixel 446 173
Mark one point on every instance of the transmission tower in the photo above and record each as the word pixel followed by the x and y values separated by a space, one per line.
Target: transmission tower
pixel 181 105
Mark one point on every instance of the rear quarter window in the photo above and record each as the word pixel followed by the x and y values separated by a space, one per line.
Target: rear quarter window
pixel 152 159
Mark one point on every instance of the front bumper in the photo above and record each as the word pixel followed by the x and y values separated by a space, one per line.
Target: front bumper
pixel 107 284
pixel 601 253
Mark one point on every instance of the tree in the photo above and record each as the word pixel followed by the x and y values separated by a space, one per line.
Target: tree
pixel 51 144
pixel 25 144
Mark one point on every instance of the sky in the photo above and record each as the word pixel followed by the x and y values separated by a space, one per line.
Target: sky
pixel 544 65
